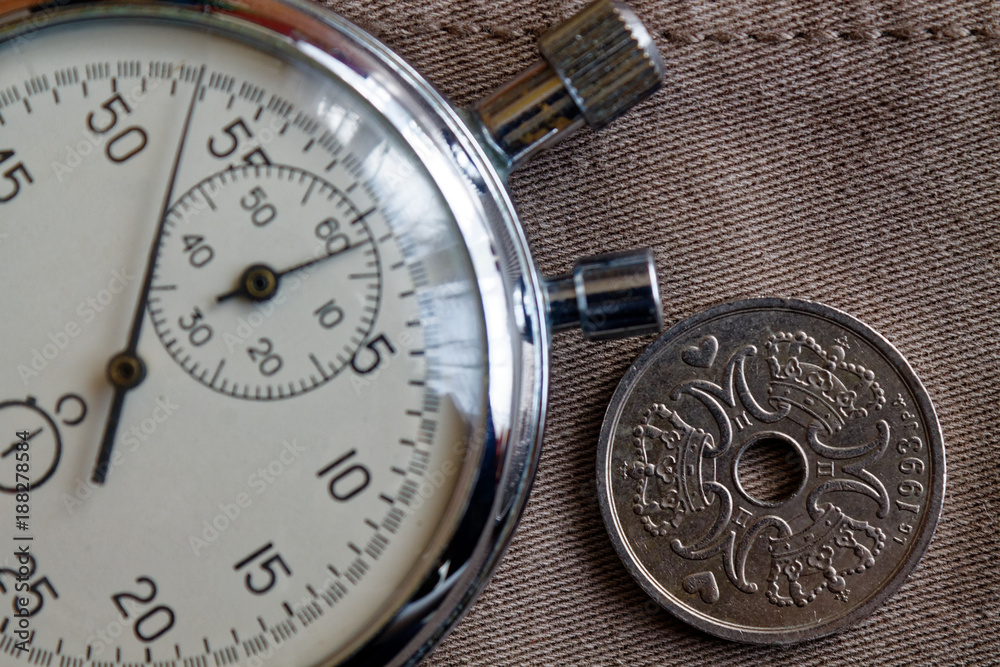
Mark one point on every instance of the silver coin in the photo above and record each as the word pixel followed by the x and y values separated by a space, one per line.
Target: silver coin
pixel 770 470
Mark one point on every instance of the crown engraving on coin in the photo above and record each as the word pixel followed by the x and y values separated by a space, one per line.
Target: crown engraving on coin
pixel 675 468
pixel 827 388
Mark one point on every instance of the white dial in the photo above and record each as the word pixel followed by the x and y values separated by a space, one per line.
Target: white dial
pixel 146 166
pixel 245 223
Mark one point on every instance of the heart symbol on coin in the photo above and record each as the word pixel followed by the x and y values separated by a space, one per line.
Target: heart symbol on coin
pixel 703 354
pixel 704 584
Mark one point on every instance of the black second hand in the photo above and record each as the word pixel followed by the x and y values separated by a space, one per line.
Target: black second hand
pixel 114 415
pixel 278 275
pixel 7 452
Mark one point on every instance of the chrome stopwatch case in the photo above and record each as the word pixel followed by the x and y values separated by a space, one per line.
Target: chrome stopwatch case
pixel 274 350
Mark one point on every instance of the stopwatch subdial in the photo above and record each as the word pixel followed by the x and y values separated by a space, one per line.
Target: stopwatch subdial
pixel 31 448
pixel 267 281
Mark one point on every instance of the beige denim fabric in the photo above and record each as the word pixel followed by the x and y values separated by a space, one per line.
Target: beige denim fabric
pixel 843 151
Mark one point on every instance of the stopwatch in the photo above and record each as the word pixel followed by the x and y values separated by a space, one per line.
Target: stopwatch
pixel 274 349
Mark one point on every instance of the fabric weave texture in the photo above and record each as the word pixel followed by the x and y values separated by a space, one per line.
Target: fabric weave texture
pixel 844 152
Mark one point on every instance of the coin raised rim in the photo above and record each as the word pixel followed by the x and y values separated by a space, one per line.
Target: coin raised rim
pixel 727 630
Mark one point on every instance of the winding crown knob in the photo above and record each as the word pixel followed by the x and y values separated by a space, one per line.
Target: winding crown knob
pixel 594 67
pixel 605 58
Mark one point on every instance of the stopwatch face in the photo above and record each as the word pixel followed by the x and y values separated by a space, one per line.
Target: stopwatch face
pixel 303 387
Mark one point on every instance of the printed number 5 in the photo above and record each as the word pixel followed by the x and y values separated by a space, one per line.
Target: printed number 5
pixel 267 565
pixel 372 346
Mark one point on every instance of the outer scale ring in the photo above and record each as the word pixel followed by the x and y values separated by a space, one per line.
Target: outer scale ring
pixel 770 573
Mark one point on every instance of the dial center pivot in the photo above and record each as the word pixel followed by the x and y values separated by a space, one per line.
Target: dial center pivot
pixel 126 370
pixel 259 282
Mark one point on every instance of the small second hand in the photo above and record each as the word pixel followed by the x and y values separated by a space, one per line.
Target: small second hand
pixel 259 282
pixel 126 370
pixel 7 452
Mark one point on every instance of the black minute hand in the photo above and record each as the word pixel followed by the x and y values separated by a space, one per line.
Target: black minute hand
pixel 126 370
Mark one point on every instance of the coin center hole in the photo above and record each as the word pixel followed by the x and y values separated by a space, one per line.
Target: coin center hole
pixel 770 470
